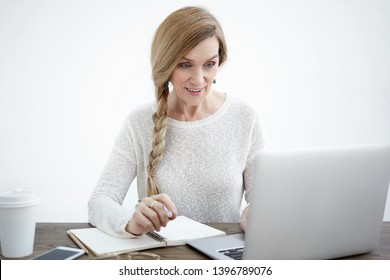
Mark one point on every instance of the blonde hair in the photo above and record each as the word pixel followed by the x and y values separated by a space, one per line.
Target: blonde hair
pixel 176 36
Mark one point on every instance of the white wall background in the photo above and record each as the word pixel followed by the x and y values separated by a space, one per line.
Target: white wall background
pixel 70 71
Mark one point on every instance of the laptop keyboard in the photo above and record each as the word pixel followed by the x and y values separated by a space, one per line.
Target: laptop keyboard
pixel 234 253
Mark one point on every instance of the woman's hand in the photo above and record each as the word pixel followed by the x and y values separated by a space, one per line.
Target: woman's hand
pixel 244 219
pixel 152 213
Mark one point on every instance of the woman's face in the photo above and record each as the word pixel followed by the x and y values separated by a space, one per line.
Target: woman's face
pixel 195 73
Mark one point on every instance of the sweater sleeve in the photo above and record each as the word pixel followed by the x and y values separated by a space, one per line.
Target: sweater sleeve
pixel 105 208
pixel 256 144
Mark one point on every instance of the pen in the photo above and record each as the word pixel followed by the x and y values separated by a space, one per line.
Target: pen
pixel 169 213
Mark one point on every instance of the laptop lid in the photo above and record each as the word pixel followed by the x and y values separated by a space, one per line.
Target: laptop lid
pixel 317 203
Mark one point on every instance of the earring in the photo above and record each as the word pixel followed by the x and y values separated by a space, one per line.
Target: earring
pixel 215 81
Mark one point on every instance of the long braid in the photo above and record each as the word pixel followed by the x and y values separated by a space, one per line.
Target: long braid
pixel 158 145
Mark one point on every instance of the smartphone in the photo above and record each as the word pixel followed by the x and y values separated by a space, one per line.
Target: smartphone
pixel 61 253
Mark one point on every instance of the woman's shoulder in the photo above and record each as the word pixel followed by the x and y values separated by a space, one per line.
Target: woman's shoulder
pixel 243 107
pixel 141 111
pixel 140 115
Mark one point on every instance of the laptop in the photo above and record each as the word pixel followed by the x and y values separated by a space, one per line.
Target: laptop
pixel 313 203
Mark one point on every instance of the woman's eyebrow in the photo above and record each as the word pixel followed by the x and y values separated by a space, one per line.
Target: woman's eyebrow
pixel 190 60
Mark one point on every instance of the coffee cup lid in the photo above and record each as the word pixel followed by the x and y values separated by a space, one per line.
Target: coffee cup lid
pixel 18 198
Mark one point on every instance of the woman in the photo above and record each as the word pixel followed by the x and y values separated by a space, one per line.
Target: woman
pixel 192 150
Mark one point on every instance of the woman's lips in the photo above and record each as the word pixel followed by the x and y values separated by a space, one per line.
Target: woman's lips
pixel 194 91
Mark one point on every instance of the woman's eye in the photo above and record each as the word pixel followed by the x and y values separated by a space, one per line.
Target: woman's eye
pixel 210 65
pixel 185 65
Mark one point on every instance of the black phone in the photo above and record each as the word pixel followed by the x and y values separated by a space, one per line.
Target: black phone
pixel 61 253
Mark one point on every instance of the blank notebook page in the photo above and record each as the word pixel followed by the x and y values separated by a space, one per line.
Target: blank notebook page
pixel 182 229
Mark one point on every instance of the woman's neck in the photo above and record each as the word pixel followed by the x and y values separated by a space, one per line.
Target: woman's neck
pixel 180 111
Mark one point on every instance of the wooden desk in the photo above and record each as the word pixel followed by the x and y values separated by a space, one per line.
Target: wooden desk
pixel 50 235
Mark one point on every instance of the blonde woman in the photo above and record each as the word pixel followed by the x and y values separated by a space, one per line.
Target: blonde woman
pixel 192 149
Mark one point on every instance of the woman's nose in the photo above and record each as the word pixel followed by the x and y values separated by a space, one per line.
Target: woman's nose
pixel 197 77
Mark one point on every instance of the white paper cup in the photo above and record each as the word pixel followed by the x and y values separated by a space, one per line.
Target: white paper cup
pixel 17 222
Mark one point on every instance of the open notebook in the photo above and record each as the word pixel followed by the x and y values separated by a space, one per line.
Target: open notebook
pixel 177 232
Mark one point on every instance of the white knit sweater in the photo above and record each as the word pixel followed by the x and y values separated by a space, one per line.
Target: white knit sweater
pixel 206 166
